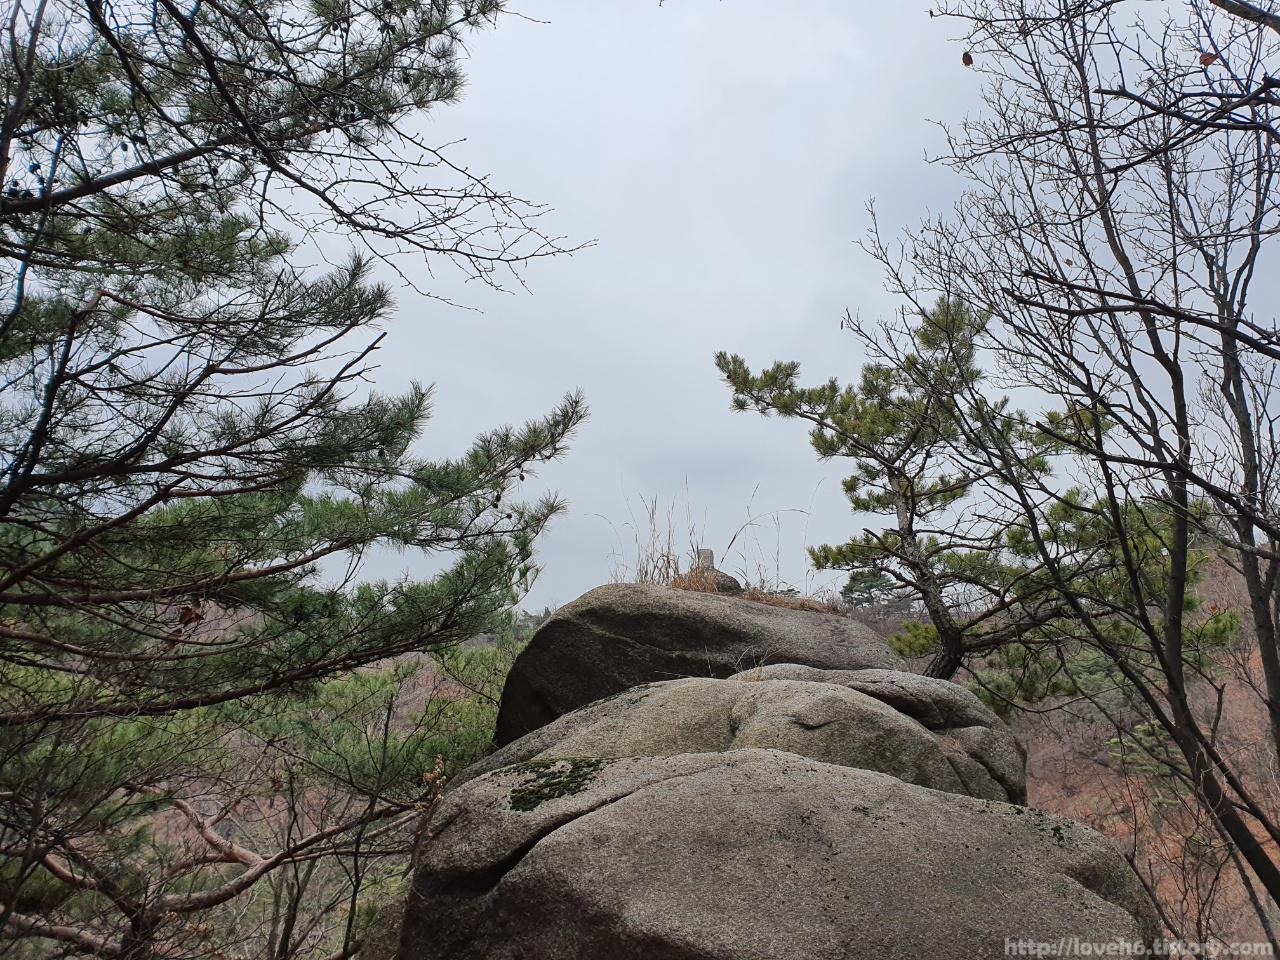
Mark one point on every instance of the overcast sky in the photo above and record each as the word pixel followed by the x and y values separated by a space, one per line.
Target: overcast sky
pixel 721 155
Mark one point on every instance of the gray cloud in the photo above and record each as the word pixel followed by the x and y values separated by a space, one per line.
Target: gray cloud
pixel 721 154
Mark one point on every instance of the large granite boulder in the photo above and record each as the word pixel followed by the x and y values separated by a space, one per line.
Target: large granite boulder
pixel 619 636
pixel 938 704
pixel 955 715
pixel 944 739
pixel 751 855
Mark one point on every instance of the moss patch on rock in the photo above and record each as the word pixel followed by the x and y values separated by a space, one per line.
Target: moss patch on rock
pixel 552 779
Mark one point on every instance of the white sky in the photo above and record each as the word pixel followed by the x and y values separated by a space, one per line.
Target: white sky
pixel 721 154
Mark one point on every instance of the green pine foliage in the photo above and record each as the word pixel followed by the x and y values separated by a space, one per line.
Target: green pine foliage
pixel 202 692
pixel 1064 607
pixel 906 430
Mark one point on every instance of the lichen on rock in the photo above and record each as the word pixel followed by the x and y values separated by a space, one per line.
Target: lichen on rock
pixel 553 779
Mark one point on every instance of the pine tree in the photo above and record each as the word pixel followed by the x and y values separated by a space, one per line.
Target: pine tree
pixel 902 426
pixel 194 467
pixel 935 451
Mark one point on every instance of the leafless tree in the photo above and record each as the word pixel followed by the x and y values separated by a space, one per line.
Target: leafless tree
pixel 1118 232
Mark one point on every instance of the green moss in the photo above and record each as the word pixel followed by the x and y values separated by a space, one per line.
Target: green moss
pixel 552 779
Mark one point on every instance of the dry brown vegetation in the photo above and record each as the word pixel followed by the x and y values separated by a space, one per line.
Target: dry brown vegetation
pixel 665 547
pixel 818 604
pixel 1193 873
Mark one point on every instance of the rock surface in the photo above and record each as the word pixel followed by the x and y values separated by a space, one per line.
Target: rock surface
pixel 669 804
pixel 948 709
pixel 748 855
pixel 716 581
pixel 722 582
pixel 621 635
pixel 944 738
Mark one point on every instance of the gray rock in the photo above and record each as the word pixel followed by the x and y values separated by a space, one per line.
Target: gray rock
pixel 619 636
pixel 722 582
pixel 965 750
pixel 946 708
pixel 751 855
pixel 716 581
pixel 938 704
